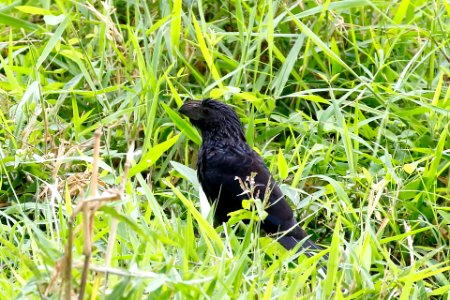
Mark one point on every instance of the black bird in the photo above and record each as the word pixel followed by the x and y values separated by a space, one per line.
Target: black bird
pixel 225 155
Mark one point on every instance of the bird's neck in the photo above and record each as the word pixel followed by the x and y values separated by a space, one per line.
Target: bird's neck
pixel 225 136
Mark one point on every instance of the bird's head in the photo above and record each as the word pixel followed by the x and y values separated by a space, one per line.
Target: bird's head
pixel 212 117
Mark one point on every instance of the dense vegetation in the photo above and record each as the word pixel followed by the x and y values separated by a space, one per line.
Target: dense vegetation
pixel 347 102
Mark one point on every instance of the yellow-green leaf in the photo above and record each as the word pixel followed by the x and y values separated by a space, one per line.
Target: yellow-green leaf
pixel 246 204
pixel 409 168
pixel 401 12
pixel 206 53
pixel 282 165
pixel 32 10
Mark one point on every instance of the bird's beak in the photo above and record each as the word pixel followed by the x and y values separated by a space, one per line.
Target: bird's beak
pixel 191 109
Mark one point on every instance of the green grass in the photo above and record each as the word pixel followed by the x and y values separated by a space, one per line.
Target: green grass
pixel 347 101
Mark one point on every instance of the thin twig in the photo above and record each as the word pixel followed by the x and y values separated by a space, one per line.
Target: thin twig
pixel 88 219
pixel 68 264
pixel 115 222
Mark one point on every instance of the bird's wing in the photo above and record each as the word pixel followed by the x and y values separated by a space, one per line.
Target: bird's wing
pixel 280 216
pixel 224 165
pixel 218 168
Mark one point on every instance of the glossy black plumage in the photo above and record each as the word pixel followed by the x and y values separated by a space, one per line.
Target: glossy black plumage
pixel 225 155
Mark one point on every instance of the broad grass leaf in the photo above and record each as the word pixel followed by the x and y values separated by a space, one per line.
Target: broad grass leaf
pixel 153 154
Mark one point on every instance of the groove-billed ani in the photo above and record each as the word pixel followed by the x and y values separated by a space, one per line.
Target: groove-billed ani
pixel 225 155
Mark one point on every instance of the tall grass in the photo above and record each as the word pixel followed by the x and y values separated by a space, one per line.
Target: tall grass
pixel 347 102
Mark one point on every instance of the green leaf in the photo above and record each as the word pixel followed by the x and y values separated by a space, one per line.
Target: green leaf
pixel 17 23
pixel 246 204
pixel 333 261
pixel 207 230
pixel 52 42
pixel 153 154
pixel 262 213
pixel 182 125
pixel 175 31
pixel 410 168
pixel 335 67
pixel 186 172
pixel 280 80
pixel 282 166
pixel 207 55
pixel 401 11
